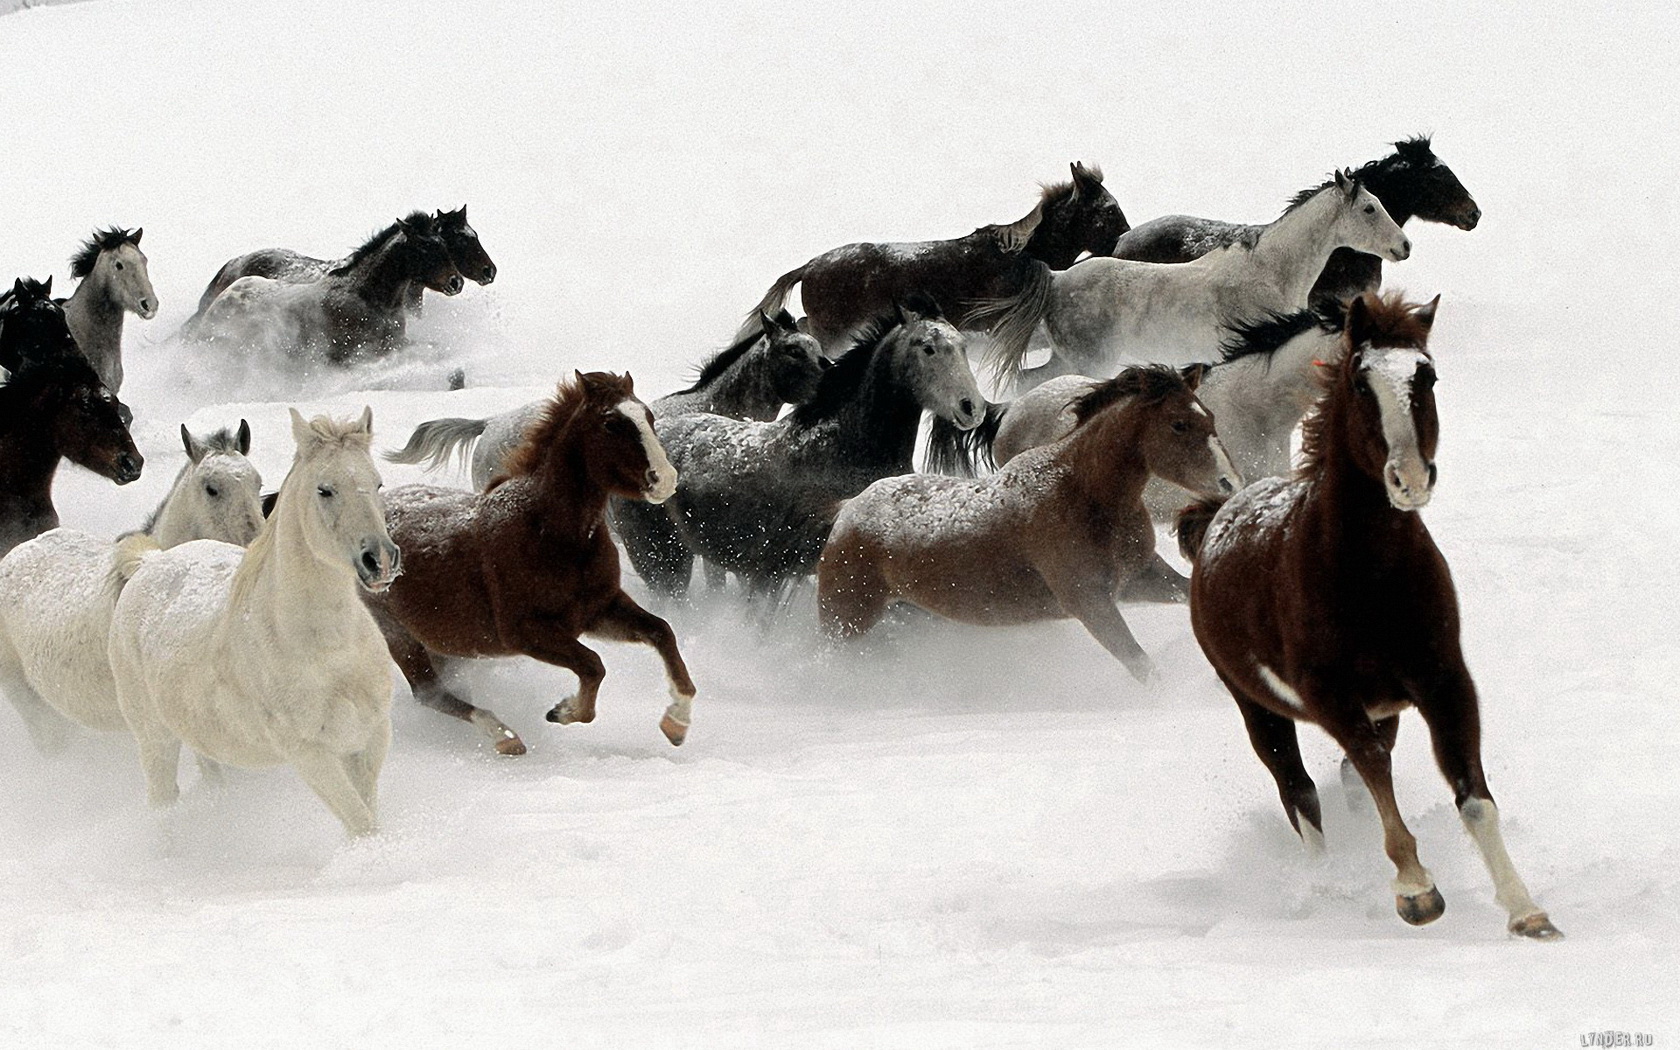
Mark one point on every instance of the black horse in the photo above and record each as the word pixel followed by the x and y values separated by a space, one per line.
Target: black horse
pixel 1007 265
pixel 1409 182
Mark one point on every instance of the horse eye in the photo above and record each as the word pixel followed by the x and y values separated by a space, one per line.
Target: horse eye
pixel 119 266
pixel 1370 209
pixel 326 491
pixel 212 491
pixel 928 350
pixel 1180 427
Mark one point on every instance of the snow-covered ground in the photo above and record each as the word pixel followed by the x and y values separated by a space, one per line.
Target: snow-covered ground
pixel 955 838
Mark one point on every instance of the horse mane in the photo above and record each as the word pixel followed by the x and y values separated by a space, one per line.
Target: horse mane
pixel 421 220
pixel 1415 150
pixel 81 264
pixel 839 384
pixel 1269 333
pixel 721 361
pixel 1147 384
pixel 570 396
pixel 1394 323
pixel 1051 194
pixel 1312 191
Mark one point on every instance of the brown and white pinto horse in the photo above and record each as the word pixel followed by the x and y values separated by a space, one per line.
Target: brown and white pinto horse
pixel 527 566
pixel 1323 599
pixel 1059 532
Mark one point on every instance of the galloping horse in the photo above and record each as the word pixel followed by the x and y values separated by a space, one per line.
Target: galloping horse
pixel 358 309
pixel 53 407
pixel 1323 599
pixel 56 598
pixel 527 567
pixel 1008 265
pixel 757 499
pixel 1060 532
pixel 466 252
pixel 1409 182
pixel 1104 312
pixel 265 656
pixel 112 270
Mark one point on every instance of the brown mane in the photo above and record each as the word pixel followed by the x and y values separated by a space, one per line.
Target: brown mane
pixel 570 395
pixel 1147 383
pixel 1393 322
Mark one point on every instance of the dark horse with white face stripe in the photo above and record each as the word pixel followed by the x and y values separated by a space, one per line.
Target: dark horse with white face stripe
pixel 1409 182
pixel 1007 266
pixel 1323 599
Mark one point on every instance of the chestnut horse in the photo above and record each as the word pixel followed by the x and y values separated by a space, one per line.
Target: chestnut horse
pixel 1323 599
pixel 1059 532
pixel 527 566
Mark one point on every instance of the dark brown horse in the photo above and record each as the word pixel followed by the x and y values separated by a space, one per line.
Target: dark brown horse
pixel 1059 532
pixel 1409 182
pixel 528 566
pixel 1007 265
pixel 53 406
pixel 1323 599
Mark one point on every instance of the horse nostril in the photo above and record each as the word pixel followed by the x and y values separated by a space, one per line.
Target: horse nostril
pixel 1431 475
pixel 489 274
pixel 1226 486
pixel 370 563
pixel 967 406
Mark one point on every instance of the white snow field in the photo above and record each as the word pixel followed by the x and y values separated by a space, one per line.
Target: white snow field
pixel 950 837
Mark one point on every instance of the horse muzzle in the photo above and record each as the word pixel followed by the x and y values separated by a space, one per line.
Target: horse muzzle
pixel 488 275
pixel 127 468
pixel 379 566
pixel 1468 218
pixel 1402 252
pixel 454 285
pixel 148 309
pixel 1409 485
pixel 659 486
pixel 968 414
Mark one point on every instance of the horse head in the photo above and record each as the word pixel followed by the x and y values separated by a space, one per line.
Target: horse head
pixel 86 420
pixel 614 429
pixel 112 259
pixel 334 489
pixel 1363 224
pixel 930 359
pixel 427 255
pixel 218 495
pixel 796 361
pixel 1167 423
pixel 1387 381
pixel 465 249
pixel 1431 190
pixel 32 326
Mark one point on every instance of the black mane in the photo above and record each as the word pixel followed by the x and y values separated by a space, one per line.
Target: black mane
pixel 1269 333
pixel 839 385
pixel 420 220
pixel 1415 151
pixel 721 361
pixel 81 264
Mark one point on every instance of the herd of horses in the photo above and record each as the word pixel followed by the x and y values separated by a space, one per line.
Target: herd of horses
pixel 1183 355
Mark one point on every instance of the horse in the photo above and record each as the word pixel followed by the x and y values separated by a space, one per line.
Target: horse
pixel 1060 532
pixel 52 407
pixel 114 281
pixel 465 249
pixel 1323 599
pixel 356 309
pixel 1265 381
pixel 752 379
pixel 56 599
pixel 1105 311
pixel 264 655
pixel 1008 266
pixel 1409 182
pixel 528 567
pixel 757 499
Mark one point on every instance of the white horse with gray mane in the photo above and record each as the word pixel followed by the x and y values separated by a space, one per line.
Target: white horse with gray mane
pixel 115 282
pixel 267 656
pixel 56 594
pixel 1105 313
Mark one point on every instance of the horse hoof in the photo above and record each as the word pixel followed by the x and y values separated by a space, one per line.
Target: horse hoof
pixel 510 745
pixel 674 730
pixel 565 712
pixel 1537 926
pixel 1425 908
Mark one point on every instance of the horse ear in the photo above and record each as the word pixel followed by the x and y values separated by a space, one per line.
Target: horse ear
pixel 135 236
pixel 195 450
pixel 244 438
pixel 463 213
pixel 1425 314
pixel 1346 182
pixel 365 424
pixel 1359 322
pixel 300 427
pixel 1084 179
pixel 1193 374
pixel 770 325
pixel 17 290
pixel 46 287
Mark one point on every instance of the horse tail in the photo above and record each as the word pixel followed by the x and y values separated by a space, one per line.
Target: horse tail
pixel 1192 525
pixel 773 302
pixel 437 439
pixel 964 452
pixel 1011 320
pixel 131 551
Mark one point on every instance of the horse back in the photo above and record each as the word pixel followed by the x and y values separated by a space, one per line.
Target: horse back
pixel 855 283
pixel 1176 239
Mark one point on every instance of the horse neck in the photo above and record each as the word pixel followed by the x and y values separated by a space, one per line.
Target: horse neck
pixel 1295 247
pixel 95 317
pixel 570 501
pixel 1105 461
pixel 1395 190
pixel 382 276
pixel 744 389
pixel 878 426
pixel 1052 243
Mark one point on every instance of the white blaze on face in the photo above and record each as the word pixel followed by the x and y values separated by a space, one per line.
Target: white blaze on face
pixel 1222 462
pixel 1391 373
pixel 664 481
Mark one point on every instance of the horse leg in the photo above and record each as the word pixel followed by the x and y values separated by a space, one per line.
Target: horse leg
pixel 1415 897
pixel 48 730
pixel 852 593
pixel 1273 739
pixel 364 767
pixel 1157 582
pixel 549 642
pixel 422 676
pixel 1454 723
pixel 328 775
pixel 160 760
pixel 210 771
pixel 1358 799
pixel 654 547
pixel 626 621
pixel 717 577
pixel 1098 613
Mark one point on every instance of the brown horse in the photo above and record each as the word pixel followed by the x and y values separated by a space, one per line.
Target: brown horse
pixel 527 566
pixel 1060 531
pixel 1323 599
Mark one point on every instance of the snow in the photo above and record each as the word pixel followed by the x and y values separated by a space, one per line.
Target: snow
pixel 956 837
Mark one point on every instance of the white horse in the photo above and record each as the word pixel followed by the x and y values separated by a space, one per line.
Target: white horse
pixel 266 656
pixel 1105 313
pixel 1258 392
pixel 56 595
pixel 115 281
